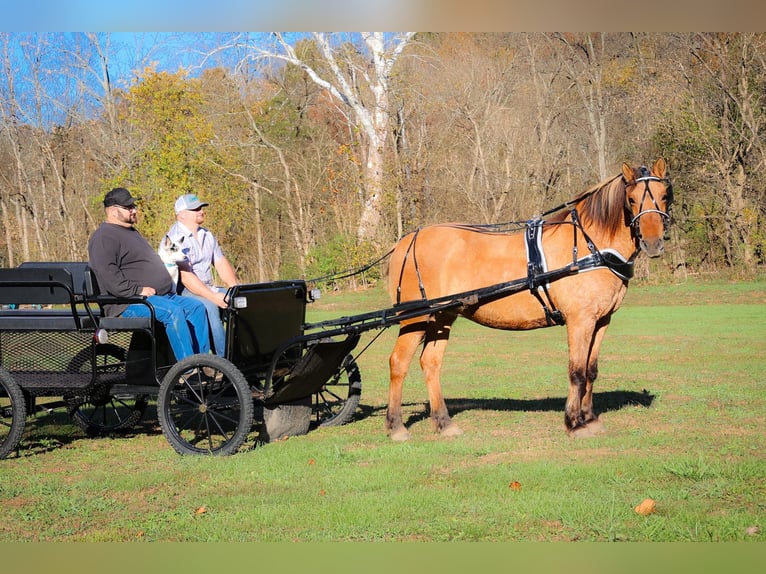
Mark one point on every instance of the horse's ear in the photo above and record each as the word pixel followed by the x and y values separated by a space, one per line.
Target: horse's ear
pixel 660 168
pixel 627 173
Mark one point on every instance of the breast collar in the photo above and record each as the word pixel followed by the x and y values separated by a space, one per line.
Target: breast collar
pixel 539 276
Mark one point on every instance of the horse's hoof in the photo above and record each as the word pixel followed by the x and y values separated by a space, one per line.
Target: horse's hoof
pixel 400 435
pixel 451 430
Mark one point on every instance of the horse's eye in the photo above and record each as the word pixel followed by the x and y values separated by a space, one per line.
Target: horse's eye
pixel 631 201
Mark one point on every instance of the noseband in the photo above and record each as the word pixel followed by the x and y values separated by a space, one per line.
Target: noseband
pixel 646 178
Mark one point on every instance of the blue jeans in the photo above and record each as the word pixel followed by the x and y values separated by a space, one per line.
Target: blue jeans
pixel 214 320
pixel 185 322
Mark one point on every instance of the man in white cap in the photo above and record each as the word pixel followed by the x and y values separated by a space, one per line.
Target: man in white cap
pixel 203 253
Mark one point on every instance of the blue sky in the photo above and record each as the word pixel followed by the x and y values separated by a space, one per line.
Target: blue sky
pixel 207 15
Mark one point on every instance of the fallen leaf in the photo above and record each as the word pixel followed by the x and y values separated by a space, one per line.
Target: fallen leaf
pixel 312 461
pixel 752 530
pixel 515 485
pixel 647 507
pixel 201 510
pixel 322 492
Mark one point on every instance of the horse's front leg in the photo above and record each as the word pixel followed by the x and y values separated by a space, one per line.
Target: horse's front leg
pixel 580 337
pixel 584 342
pixel 431 360
pixel 410 337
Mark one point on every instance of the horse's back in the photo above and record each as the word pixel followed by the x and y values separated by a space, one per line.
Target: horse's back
pixel 450 258
pixel 442 260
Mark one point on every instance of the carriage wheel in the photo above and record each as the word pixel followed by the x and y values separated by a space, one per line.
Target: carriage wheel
pixel 98 411
pixel 205 406
pixel 13 413
pixel 337 401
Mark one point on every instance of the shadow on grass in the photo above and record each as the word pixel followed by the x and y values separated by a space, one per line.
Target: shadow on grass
pixel 603 402
pixel 55 430
pixel 47 431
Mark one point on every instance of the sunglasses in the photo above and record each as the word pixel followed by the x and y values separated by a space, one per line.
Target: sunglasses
pixel 131 208
pixel 200 208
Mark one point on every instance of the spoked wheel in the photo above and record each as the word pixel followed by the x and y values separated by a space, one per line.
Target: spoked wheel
pixel 205 406
pixel 13 413
pixel 337 401
pixel 96 410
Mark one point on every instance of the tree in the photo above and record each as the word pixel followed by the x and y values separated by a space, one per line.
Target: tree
pixel 716 138
pixel 361 83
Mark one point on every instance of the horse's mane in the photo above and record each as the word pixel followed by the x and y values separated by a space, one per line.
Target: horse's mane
pixel 603 204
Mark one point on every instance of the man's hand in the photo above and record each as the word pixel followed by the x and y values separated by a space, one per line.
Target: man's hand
pixel 147 291
pixel 218 298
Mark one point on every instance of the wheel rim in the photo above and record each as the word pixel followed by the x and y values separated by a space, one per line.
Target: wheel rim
pixel 98 411
pixel 12 414
pixel 206 412
pixel 98 415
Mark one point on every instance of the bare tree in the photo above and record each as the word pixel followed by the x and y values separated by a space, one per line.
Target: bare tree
pixel 352 80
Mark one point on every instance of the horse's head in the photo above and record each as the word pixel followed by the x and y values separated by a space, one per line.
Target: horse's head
pixel 648 196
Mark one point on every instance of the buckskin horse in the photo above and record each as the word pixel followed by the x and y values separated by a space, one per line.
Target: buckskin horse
pixel 614 220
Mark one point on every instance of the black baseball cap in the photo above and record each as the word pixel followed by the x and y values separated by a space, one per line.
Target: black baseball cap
pixel 119 196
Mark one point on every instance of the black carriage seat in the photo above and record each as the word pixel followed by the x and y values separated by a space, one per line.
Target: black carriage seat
pixel 94 295
pixel 41 297
pixel 148 347
pixel 64 297
pixel 86 297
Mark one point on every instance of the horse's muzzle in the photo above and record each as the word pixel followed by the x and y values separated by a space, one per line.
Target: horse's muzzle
pixel 653 248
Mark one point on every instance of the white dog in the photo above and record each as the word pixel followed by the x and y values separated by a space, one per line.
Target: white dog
pixel 171 254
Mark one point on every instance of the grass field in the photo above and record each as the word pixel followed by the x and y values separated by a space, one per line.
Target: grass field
pixel 681 394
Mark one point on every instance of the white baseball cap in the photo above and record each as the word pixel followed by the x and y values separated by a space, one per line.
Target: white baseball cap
pixel 189 201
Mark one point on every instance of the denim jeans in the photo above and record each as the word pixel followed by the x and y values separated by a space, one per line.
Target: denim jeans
pixel 185 321
pixel 214 320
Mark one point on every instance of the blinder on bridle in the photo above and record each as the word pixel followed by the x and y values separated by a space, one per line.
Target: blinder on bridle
pixel 646 177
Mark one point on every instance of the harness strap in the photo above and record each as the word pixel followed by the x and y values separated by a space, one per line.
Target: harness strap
pixel 411 247
pixel 536 266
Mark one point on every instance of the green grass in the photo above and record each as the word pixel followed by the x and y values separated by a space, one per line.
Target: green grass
pixel 681 394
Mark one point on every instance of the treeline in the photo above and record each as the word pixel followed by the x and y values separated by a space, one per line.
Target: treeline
pixel 482 128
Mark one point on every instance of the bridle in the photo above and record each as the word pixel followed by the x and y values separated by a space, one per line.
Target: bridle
pixel 646 177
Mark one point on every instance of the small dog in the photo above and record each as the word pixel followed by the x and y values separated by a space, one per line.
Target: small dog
pixel 172 253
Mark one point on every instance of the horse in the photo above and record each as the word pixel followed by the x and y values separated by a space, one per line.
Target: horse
pixel 616 219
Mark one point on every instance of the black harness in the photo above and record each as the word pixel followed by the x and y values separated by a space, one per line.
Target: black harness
pixel 537 268
pixel 538 276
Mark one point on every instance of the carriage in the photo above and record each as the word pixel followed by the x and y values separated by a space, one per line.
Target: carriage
pixel 105 369
pixel 55 343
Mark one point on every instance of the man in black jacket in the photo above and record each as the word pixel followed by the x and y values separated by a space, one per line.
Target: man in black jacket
pixel 126 265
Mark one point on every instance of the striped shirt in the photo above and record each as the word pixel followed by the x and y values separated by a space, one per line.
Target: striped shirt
pixel 202 250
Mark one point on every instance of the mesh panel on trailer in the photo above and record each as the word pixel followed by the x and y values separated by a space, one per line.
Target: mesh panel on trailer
pixel 55 360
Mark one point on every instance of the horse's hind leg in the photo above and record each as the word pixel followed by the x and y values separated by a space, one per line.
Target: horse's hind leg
pixel 410 337
pixel 591 373
pixel 437 337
